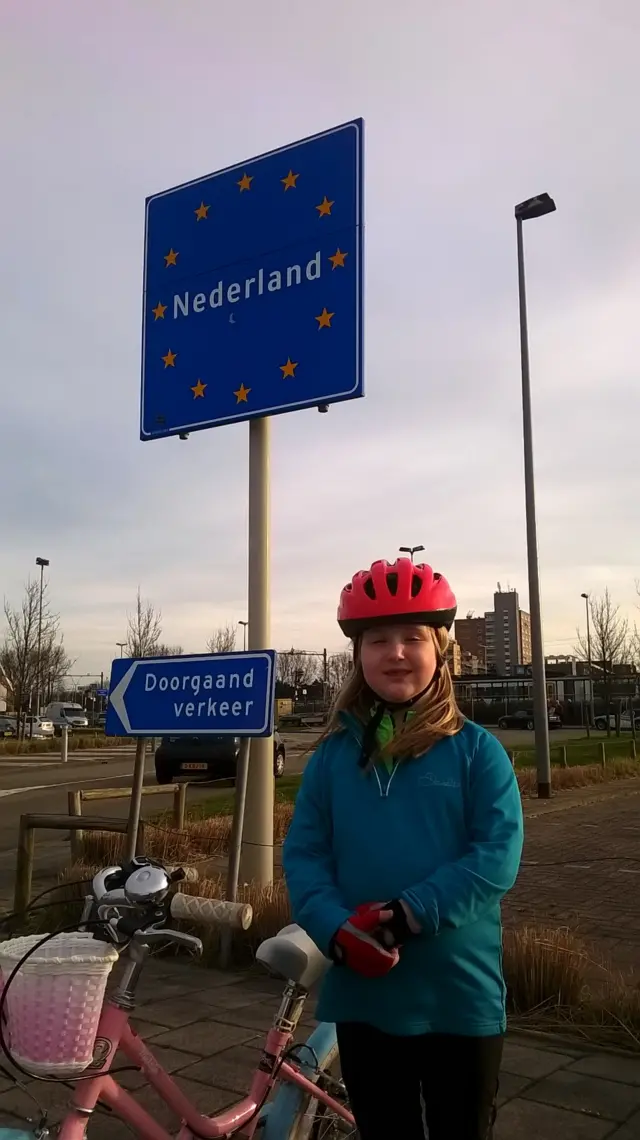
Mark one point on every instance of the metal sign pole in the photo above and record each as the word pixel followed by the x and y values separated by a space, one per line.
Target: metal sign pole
pixel 136 799
pixel 257 840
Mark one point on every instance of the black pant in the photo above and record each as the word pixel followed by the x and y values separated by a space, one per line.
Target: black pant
pixel 395 1084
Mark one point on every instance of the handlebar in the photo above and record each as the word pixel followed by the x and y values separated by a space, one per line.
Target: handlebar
pixel 211 912
pixel 134 902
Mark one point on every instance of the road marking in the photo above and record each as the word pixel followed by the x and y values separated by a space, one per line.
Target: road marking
pixel 63 783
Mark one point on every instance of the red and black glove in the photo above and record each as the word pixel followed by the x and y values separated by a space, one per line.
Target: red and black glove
pixel 400 926
pixel 355 945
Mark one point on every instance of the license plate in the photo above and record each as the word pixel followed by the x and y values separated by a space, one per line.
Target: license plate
pixel 194 767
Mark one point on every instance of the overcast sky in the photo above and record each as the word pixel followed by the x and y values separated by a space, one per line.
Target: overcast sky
pixel 469 108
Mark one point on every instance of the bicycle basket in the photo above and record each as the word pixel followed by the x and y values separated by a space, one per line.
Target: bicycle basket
pixel 54 1002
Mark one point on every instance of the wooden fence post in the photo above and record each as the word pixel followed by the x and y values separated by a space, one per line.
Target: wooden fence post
pixel 634 753
pixel 603 754
pixel 563 755
pixel 74 800
pixel 24 867
pixel 179 806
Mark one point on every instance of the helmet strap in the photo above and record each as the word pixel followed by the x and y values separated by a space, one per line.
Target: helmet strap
pixel 374 722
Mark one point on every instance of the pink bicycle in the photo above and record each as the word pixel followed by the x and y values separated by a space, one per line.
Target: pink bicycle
pixel 296 1092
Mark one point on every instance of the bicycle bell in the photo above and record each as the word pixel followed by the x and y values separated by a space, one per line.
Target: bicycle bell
pixel 147 884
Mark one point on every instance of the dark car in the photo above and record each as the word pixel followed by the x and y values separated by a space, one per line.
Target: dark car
pixel 206 757
pixel 524 719
pixel 7 727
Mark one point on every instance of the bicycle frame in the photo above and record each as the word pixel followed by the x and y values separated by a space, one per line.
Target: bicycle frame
pixel 242 1119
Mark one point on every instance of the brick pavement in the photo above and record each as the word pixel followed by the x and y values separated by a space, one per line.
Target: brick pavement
pixel 581 868
pixel 207 1027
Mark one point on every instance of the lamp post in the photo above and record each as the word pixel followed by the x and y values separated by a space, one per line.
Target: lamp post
pixel 244 625
pixel 526 211
pixel 590 716
pixel 410 550
pixel 41 562
pixel 121 646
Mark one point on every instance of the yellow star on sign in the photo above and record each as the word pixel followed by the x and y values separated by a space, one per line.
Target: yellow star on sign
pixel 289 182
pixel 337 258
pixel 171 258
pixel 288 369
pixel 159 311
pixel 198 390
pixel 241 394
pixel 202 212
pixel 170 358
pixel 325 207
pixel 245 182
pixel 324 320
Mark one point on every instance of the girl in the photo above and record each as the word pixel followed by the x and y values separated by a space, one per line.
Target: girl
pixel 406 834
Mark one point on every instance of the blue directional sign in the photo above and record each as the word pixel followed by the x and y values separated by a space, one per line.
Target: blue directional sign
pixel 193 695
pixel 253 288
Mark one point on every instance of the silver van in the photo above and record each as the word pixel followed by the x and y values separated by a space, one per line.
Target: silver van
pixel 65 712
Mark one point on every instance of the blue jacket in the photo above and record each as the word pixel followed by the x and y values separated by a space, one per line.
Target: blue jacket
pixel 444 833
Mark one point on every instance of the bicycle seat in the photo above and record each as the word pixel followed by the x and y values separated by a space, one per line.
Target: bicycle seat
pixel 292 955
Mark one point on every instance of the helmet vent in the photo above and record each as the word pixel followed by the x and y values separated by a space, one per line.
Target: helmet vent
pixel 416 584
pixel 369 589
pixel 392 584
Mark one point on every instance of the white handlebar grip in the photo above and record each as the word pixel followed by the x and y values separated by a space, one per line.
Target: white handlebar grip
pixel 211 912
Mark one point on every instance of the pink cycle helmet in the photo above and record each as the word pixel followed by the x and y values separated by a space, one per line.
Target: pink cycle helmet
pixel 396 592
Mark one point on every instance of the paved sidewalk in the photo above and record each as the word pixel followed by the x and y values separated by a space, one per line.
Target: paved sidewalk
pixel 581 868
pixel 207 1027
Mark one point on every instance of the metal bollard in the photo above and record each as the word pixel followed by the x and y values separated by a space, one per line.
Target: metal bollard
pixel 64 744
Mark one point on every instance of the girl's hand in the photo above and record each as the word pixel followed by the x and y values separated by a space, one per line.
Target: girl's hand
pixel 398 923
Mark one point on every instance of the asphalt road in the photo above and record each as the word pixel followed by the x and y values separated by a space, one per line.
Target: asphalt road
pixel 41 784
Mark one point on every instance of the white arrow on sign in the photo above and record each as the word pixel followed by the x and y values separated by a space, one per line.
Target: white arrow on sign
pixel 117 696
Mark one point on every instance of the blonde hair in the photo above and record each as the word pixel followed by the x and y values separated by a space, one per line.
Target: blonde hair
pixel 436 714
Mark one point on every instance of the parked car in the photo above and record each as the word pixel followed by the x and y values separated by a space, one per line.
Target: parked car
pixel 206 757
pixel 38 726
pixel 524 719
pixel 66 712
pixel 7 727
pixel 625 721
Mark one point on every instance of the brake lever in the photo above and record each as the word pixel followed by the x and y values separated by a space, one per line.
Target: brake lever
pixel 154 937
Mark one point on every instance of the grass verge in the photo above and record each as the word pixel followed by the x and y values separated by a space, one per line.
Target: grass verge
pixel 53 744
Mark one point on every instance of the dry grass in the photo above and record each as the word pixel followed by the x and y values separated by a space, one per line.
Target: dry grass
pixel 200 839
pixel 88 739
pixel 579 776
pixel 555 981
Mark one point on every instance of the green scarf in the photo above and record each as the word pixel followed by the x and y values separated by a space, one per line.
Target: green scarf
pixel 386 732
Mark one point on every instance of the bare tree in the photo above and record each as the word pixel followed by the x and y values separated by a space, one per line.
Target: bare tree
pixel 296 668
pixel 609 642
pixel 144 628
pixel 19 650
pixel 163 650
pixel 223 639
pixel 339 667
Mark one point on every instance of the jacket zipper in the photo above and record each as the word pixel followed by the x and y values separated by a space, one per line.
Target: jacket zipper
pixel 384 792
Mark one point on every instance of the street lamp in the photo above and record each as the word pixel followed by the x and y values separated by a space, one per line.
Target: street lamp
pixel 525 211
pixel 410 550
pixel 244 625
pixel 41 562
pixel 590 716
pixel 121 646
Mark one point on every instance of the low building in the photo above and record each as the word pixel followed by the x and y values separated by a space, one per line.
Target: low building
pixel 454 657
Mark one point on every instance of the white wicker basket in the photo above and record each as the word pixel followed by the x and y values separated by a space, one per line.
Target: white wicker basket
pixel 54 1002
